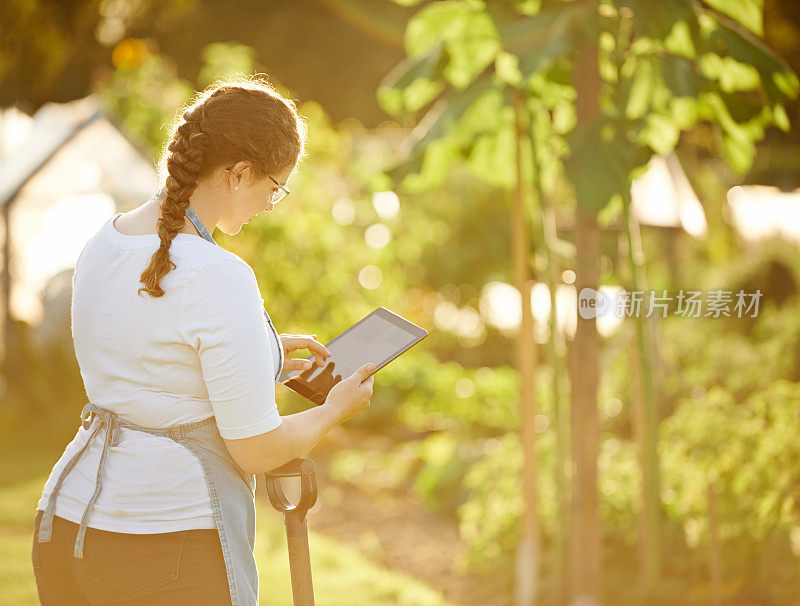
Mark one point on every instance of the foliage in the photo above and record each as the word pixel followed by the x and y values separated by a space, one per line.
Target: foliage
pixel 665 67
pixel 490 518
pixel 748 450
pixel 46 48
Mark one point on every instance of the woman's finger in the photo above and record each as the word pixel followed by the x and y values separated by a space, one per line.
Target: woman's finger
pixel 295 342
pixel 296 364
pixel 319 350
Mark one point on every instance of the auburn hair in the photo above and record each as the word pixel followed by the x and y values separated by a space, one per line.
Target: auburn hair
pixel 244 118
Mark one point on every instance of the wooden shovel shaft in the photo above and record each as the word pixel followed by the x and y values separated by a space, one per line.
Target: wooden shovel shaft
pixel 296 529
pixel 299 561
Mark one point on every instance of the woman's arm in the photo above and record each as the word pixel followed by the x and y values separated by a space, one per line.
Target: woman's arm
pixel 299 433
pixel 293 438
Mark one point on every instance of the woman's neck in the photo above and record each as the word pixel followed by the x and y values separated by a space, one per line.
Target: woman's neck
pixel 188 228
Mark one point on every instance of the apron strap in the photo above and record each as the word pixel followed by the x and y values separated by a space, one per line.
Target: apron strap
pixel 112 423
pixel 201 229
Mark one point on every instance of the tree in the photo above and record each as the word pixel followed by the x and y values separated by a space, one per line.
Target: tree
pixel 610 83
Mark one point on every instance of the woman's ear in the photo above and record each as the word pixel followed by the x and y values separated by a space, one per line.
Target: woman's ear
pixel 238 174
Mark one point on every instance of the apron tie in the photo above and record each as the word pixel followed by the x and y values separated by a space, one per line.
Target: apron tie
pixel 110 422
pixel 231 492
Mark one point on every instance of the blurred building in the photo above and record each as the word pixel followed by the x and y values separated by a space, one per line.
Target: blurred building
pixel 664 197
pixel 63 172
pixel 760 212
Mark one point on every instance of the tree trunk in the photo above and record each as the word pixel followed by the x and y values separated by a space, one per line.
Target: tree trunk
pixel 542 209
pixel 585 540
pixel 528 555
pixel 650 527
pixel 714 559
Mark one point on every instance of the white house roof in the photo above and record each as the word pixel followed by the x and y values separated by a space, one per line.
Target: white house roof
pixel 664 197
pixel 65 171
pixel 761 211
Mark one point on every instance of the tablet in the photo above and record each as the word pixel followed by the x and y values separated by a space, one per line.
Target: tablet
pixel 379 338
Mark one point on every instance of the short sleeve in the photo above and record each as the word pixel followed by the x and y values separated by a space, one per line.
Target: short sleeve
pixel 222 318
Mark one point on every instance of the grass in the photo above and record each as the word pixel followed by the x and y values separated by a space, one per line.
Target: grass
pixel 342 576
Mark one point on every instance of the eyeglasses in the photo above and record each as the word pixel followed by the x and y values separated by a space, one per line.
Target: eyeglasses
pixel 277 195
pixel 280 193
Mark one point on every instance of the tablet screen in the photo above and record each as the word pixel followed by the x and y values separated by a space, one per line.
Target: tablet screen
pixel 378 338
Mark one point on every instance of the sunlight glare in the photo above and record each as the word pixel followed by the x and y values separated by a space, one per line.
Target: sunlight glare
pixel 464 387
pixel 468 323
pixel 386 204
pixel 370 277
pixel 446 315
pixel 377 235
pixel 501 305
pixel 343 211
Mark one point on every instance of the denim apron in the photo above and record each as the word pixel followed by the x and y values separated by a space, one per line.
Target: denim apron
pixel 231 490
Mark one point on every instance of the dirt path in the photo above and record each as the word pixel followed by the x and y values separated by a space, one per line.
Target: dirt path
pixel 395 532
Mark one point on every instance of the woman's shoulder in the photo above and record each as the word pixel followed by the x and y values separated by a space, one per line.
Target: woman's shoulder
pixel 223 271
pixel 195 256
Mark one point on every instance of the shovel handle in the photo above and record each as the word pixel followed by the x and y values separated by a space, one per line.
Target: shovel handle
pixel 295 519
pixel 302 468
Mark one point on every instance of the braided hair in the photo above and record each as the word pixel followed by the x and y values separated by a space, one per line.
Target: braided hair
pixel 245 118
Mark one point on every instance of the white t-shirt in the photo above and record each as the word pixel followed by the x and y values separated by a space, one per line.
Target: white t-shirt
pixel 202 349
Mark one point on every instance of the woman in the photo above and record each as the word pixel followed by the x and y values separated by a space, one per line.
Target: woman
pixel 153 500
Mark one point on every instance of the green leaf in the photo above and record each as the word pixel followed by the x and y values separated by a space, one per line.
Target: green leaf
pixel 787 83
pixel 731 74
pixel 660 134
pixel 439 122
pixel 728 39
pixel 467 32
pixel 529 7
pixel 740 152
pixel 421 92
pixel 473 51
pixel 749 13
pixel 433 24
pixel 742 107
pixel 681 76
pixel 225 60
pixel 506 68
pixel 485 114
pixel 780 118
pixel 680 40
pixel 427 66
pixel 493 157
pixel 445 114
pixel 641 91
pixel 439 157
pixel 564 118
pixel 683 111
pixel 391 100
pixel 656 19
pixel 540 40
pixel 610 212
pixel 738 139
pixel 600 163
pixel 411 84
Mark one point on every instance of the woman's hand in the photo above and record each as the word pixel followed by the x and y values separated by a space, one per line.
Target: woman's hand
pixel 291 342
